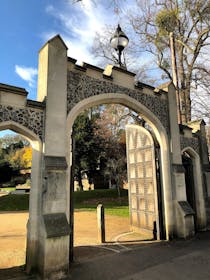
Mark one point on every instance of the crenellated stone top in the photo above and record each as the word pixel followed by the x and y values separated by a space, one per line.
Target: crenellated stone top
pixel 85 80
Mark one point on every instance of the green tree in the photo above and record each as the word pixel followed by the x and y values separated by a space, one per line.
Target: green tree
pixel 112 121
pixel 20 158
pixel 88 146
pixel 15 154
pixel 100 145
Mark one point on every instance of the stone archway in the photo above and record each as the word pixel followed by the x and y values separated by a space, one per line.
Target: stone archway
pixel 198 195
pixel 151 119
pixel 35 191
pixel 65 89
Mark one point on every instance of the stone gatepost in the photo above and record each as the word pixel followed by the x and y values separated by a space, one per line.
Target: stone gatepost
pixel 184 215
pixel 54 232
pixel 198 127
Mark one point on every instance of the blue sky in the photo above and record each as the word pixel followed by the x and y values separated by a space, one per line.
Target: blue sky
pixel 25 25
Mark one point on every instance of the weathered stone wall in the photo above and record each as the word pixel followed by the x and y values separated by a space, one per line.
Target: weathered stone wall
pixel 192 142
pixel 29 117
pixel 80 86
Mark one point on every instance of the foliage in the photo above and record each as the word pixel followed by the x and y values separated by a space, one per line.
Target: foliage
pixel 88 146
pixel 16 202
pixel 166 20
pixel 97 194
pixel 82 201
pixel 5 172
pixel 15 154
pixel 189 21
pixel 10 142
pixel 100 145
pixel 20 158
pixel 112 122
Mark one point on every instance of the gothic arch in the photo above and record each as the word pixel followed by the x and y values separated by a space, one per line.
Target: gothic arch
pixel 198 187
pixel 152 120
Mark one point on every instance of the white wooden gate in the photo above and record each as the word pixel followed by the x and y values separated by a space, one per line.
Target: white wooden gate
pixel 142 180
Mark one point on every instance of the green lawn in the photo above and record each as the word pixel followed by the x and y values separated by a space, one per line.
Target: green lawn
pixel 14 202
pixel 83 201
pixel 9 189
pixel 111 207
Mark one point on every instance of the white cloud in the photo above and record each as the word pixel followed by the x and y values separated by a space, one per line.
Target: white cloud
pixel 77 25
pixel 28 74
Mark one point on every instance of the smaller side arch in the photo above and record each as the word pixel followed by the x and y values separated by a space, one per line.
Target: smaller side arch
pixel 35 191
pixel 18 128
pixel 198 188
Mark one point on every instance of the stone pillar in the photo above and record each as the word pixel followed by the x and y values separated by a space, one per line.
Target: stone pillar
pixel 33 223
pixel 206 169
pixel 183 222
pixel 54 232
pixel 198 127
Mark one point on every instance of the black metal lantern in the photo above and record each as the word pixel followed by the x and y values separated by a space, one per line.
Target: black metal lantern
pixel 119 41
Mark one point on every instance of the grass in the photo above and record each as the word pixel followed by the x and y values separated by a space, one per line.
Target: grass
pixel 122 211
pixel 83 201
pixel 81 196
pixel 9 189
pixel 88 201
pixel 112 206
pixel 14 202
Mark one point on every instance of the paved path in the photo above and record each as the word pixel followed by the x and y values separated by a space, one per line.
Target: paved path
pixel 119 259
pixel 177 260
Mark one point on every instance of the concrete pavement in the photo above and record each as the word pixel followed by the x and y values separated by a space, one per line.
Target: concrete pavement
pixel 175 260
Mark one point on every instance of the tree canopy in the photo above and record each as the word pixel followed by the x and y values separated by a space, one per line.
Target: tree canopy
pixel 15 154
pixel 149 24
pixel 100 147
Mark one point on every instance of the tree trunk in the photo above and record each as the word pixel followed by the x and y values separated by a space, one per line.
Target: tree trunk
pixel 80 181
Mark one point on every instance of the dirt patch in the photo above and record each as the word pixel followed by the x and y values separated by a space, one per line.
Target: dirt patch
pixel 13 234
pixel 86 228
pixel 13 237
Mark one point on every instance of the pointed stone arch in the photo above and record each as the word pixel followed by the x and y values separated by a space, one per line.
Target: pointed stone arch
pixel 152 120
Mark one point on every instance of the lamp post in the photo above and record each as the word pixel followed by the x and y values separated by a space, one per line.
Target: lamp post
pixel 119 41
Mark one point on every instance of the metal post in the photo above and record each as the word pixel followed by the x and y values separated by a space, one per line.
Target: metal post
pixel 101 223
pixel 119 57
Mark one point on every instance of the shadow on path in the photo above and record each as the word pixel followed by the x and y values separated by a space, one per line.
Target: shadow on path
pixel 178 259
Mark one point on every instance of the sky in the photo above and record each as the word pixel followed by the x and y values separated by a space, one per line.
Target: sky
pixel 26 25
